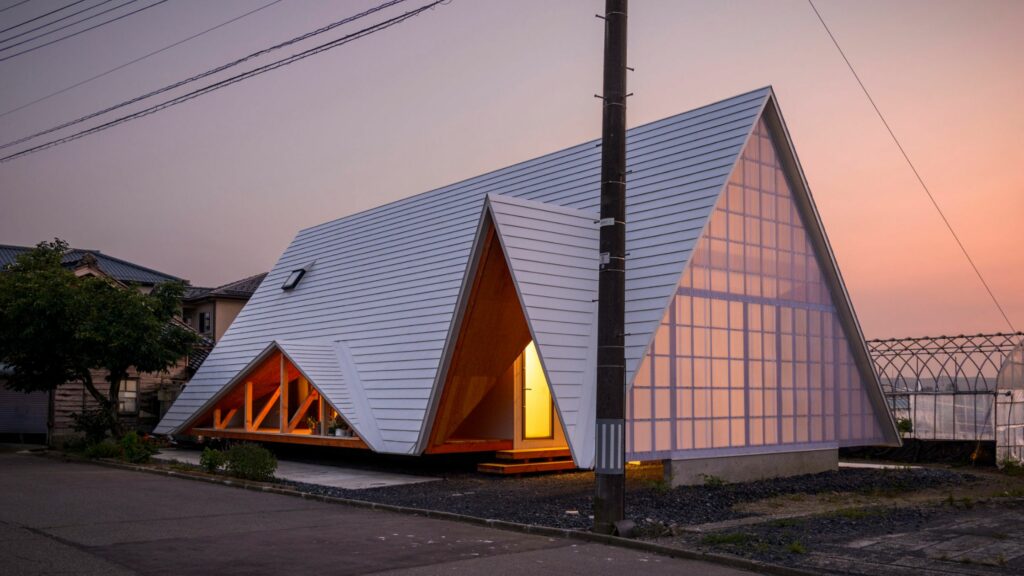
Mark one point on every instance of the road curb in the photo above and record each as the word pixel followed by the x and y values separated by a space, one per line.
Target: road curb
pixel 639 545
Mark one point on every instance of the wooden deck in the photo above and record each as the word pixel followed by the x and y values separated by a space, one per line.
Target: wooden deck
pixel 308 439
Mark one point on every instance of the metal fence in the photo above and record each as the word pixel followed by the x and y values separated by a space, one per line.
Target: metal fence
pixel 948 387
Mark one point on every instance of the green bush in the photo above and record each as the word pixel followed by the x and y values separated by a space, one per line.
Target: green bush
pixel 251 462
pixel 212 459
pixel 104 449
pixel 93 423
pixel 136 449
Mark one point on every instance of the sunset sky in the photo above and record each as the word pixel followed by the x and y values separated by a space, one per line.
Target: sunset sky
pixel 215 189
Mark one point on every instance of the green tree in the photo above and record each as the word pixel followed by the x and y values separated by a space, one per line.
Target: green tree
pixel 56 327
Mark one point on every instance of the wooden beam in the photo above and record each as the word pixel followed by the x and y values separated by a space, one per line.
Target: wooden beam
pixel 223 422
pixel 248 405
pixel 322 405
pixel 236 434
pixel 302 410
pixel 266 409
pixel 283 391
pixel 457 446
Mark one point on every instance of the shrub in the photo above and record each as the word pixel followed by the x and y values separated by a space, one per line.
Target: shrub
pixel 136 449
pixel 93 423
pixel 250 462
pixel 905 425
pixel 212 459
pixel 104 449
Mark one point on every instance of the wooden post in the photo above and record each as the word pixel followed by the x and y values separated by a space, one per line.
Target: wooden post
pixel 216 418
pixel 609 468
pixel 284 398
pixel 248 405
pixel 323 416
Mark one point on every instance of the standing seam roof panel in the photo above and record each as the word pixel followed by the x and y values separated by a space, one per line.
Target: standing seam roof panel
pixel 675 163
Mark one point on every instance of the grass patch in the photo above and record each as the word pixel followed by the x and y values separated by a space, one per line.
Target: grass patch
pixel 795 547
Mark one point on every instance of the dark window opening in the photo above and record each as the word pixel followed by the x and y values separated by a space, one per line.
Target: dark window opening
pixel 293 279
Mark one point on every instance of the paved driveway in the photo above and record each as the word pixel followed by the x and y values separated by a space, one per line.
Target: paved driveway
pixel 61 518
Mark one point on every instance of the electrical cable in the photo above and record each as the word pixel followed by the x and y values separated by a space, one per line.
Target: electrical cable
pixel 31 20
pixel 84 30
pixel 139 59
pixel 917 174
pixel 52 22
pixel 15 5
pixel 383 25
pixel 207 73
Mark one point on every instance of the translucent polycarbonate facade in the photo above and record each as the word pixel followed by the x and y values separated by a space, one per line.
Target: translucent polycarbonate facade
pixel 750 356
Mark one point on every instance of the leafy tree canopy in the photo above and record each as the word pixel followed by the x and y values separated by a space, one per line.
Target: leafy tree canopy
pixel 56 327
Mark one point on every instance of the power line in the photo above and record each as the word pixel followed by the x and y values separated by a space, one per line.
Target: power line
pixel 207 73
pixel 914 170
pixel 31 20
pixel 383 25
pixel 139 59
pixel 51 23
pixel 84 30
pixel 48 24
pixel 15 5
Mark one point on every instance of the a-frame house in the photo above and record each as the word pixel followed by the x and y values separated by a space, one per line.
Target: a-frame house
pixel 464 319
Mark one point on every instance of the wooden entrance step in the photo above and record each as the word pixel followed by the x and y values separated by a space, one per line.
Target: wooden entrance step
pixel 532 454
pixel 529 460
pixel 525 467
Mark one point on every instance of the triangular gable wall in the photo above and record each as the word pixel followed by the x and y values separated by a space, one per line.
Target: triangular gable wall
pixel 552 253
pixel 755 352
pixel 323 365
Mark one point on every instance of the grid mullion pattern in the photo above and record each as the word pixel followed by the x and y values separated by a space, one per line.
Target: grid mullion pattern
pixel 750 352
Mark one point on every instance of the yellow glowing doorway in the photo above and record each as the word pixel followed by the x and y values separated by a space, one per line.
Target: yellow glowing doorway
pixel 538 410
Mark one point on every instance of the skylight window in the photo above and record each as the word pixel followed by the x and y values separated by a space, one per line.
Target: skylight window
pixel 293 279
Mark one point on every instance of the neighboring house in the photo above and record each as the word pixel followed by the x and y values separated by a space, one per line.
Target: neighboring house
pixel 211 310
pixel 464 319
pixel 144 397
pixel 94 262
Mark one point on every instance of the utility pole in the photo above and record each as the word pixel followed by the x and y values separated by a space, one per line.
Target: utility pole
pixel 610 453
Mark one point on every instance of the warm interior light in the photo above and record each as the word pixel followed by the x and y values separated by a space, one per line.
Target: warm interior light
pixel 537 408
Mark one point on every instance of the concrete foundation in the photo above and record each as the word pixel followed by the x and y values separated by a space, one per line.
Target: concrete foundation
pixel 750 467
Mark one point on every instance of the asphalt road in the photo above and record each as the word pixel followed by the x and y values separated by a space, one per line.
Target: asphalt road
pixel 64 518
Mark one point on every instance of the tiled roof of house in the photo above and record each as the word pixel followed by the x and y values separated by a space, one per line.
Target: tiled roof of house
pixel 120 270
pixel 243 289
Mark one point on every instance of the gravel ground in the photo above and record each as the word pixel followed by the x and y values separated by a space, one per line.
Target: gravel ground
pixel 564 500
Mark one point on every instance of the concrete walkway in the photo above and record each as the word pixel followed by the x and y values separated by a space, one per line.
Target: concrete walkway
pixel 70 518
pixel 332 476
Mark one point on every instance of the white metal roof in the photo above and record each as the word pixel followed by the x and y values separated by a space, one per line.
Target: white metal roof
pixel 385 282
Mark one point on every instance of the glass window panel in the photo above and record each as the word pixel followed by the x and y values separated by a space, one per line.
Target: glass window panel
pixel 771 431
pixel 720 433
pixel 701 373
pixel 702 403
pixel 702 434
pixel 662 403
pixel 684 403
pixel 663 435
pixel 736 343
pixel 738 432
pixel 720 373
pixel 684 435
pixel 756 436
pixel 737 399
pixel 642 436
pixel 736 374
pixel 662 371
pixel 641 403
